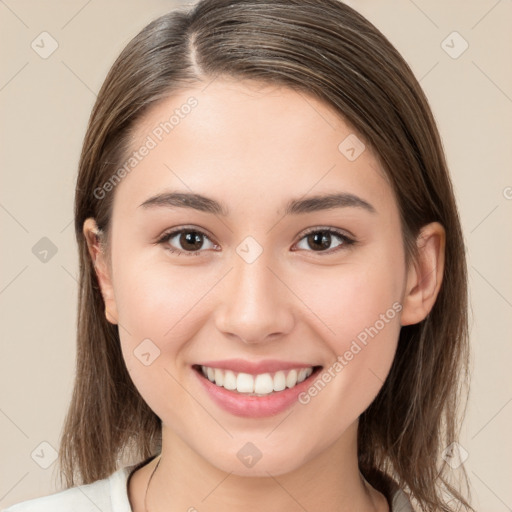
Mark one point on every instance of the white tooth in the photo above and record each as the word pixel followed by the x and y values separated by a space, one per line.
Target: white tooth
pixel 219 377
pixel 245 383
pixel 279 381
pixel 291 378
pixel 203 369
pixel 309 371
pixel 211 374
pixel 229 380
pixel 264 384
pixel 301 375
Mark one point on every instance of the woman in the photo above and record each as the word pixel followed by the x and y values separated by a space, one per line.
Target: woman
pixel 273 310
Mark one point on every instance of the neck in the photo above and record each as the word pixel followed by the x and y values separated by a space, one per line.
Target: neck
pixel 330 482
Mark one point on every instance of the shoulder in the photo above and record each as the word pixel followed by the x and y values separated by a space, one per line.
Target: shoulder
pixel 107 495
pixel 400 502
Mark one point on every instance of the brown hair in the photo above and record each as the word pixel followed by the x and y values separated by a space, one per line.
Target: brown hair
pixel 325 49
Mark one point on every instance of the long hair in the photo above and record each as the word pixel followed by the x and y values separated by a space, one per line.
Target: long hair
pixel 325 49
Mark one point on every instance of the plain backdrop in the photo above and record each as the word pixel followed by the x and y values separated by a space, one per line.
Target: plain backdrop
pixel 45 102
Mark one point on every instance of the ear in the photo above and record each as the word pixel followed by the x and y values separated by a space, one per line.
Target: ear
pixel 425 275
pixel 93 236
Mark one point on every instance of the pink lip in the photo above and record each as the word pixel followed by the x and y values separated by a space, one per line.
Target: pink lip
pixel 254 406
pixel 254 368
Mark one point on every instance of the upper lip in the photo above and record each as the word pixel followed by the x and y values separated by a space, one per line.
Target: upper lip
pixel 255 367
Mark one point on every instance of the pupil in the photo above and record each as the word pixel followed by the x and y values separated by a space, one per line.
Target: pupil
pixel 190 239
pixel 322 238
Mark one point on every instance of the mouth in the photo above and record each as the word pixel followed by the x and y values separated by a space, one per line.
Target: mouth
pixel 257 384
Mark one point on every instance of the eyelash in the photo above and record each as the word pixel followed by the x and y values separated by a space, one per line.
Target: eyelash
pixel 346 241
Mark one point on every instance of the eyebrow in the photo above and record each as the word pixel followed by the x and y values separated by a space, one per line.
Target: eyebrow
pixel 293 207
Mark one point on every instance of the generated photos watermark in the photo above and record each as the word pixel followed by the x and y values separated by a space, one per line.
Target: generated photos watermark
pixel 151 142
pixel 357 345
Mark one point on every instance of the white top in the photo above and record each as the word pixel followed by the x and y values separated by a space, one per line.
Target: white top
pixel 111 495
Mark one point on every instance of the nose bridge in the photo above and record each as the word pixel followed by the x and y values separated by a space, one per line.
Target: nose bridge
pixel 254 304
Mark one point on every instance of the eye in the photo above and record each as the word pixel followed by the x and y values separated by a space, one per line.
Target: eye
pixel 189 241
pixel 321 239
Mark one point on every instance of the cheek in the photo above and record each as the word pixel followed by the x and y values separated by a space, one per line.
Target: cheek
pixel 158 301
pixel 359 308
pixel 158 315
pixel 347 300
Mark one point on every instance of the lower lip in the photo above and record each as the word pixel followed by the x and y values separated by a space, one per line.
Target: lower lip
pixel 254 406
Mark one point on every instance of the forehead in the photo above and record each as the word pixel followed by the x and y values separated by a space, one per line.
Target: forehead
pixel 249 144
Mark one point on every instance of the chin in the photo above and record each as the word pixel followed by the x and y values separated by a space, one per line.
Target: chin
pixel 258 458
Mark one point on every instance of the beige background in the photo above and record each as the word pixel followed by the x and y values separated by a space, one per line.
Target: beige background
pixel 45 104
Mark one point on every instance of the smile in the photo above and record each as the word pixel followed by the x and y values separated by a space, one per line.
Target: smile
pixel 256 385
pixel 254 389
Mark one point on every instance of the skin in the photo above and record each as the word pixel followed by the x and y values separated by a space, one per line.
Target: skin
pixel 254 147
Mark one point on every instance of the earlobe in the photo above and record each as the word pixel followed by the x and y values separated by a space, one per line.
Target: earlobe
pixel 425 274
pixel 99 259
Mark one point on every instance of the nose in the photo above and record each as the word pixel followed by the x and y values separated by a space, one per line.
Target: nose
pixel 255 305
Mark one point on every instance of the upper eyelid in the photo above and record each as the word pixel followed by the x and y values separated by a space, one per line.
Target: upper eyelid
pixel 338 231
pixel 177 231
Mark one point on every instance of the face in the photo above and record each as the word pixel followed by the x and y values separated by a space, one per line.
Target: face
pixel 293 300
